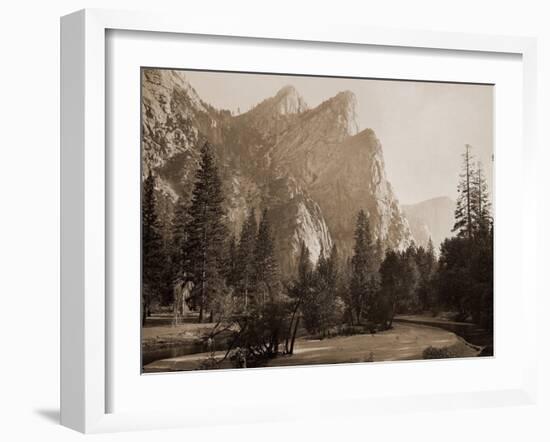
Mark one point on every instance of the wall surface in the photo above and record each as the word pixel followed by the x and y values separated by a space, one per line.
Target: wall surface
pixel 29 220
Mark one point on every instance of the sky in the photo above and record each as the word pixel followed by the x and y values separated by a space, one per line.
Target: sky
pixel 422 126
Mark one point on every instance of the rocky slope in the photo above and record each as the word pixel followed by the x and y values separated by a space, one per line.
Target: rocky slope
pixel 310 167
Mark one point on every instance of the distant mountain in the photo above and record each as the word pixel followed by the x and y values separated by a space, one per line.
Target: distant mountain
pixel 433 218
pixel 310 167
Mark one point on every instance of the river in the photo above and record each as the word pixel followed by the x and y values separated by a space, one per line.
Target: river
pixel 471 333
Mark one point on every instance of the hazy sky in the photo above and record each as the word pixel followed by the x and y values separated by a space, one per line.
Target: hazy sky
pixel 423 127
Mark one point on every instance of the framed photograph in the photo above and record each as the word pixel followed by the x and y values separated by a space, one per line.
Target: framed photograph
pixel 322 214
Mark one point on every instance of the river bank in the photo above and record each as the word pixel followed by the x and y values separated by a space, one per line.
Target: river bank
pixel 471 333
pixel 402 342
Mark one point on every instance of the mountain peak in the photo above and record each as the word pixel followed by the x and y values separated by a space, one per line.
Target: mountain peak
pixel 289 101
pixel 346 96
pixel 286 90
pixel 343 107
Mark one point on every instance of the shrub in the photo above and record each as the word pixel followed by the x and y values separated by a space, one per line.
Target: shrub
pixel 438 353
pixel 209 363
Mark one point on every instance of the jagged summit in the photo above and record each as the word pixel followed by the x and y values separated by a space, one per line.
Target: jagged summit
pixel 289 101
pixel 342 109
pixel 346 96
pixel 273 115
pixel 287 91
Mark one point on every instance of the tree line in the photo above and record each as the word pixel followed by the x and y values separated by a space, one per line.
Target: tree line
pixel 239 287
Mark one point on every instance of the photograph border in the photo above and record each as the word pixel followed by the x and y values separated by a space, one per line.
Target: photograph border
pixel 83 191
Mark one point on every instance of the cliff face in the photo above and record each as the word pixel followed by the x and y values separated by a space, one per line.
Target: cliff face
pixel 433 218
pixel 310 167
pixel 355 178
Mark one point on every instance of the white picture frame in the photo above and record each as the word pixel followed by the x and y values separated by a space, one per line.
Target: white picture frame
pixel 85 384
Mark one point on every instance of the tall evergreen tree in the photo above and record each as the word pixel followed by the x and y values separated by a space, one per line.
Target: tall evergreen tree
pixel 245 258
pixel 327 267
pixel 410 279
pixel 325 293
pixel 481 206
pixel 231 263
pixel 168 268
pixel 180 220
pixel 391 287
pixel 152 246
pixel 206 232
pixel 361 266
pixel 266 270
pixel 465 268
pixel 464 203
pixel 487 299
pixel 299 290
pixel 426 263
pixel 430 250
pixel 304 265
pixel 378 256
pixel 455 284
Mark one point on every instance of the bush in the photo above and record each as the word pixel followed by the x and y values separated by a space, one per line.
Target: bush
pixel 260 331
pixel 438 353
pixel 209 363
pixel 351 330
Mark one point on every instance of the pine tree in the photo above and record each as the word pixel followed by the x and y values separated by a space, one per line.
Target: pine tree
pixel 206 232
pixel 378 256
pixel 299 290
pixel 304 265
pixel 361 266
pixel 168 268
pixel 245 258
pixel 333 266
pixel 464 278
pixel 180 220
pixel 428 272
pixel 325 281
pixel 464 204
pixel 391 287
pixel 231 262
pixel 482 253
pixel 481 206
pixel 430 250
pixel 327 267
pixel 410 279
pixel 266 271
pixel 152 246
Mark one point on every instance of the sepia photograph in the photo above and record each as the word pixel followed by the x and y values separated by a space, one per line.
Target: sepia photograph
pixel 291 220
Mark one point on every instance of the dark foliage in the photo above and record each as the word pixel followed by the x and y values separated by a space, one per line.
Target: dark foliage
pixel 206 234
pixel 360 287
pixel 153 259
pixel 438 353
